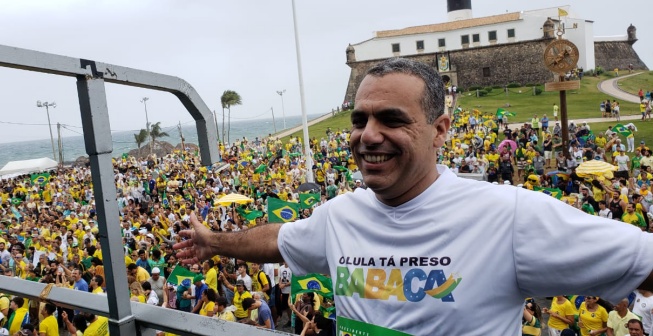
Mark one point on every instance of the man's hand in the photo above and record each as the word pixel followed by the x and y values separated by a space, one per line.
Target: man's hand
pixel 197 245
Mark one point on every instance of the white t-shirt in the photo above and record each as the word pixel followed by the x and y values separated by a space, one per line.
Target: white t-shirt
pixel 285 274
pixel 605 213
pixel 450 260
pixel 269 270
pixel 642 307
pixel 622 162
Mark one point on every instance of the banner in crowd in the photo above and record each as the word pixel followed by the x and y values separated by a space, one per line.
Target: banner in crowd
pixel 179 274
pixel 249 214
pixel 621 129
pixel 306 201
pixel 312 282
pixel 282 212
pixel 502 112
pixel 40 179
pixel 553 192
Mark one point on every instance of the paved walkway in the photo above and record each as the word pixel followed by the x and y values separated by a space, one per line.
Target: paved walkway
pixel 611 87
pixel 290 131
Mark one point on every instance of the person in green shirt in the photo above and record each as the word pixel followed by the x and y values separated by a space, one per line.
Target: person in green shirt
pixel 635 163
pixel 531 325
pixel 331 190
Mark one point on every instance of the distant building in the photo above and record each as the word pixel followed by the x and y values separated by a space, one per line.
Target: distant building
pixel 492 50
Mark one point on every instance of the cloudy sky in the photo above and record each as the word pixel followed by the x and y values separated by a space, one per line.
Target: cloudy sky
pixel 246 46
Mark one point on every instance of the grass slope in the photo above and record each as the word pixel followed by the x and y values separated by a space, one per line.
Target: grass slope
pixel 633 84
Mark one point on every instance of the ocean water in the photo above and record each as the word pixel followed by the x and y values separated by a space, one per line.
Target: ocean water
pixel 123 142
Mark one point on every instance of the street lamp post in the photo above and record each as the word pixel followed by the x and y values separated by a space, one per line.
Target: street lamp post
pixel 47 111
pixel 147 122
pixel 283 108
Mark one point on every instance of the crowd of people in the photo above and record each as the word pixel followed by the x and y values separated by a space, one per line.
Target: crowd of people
pixel 49 229
pixel 49 232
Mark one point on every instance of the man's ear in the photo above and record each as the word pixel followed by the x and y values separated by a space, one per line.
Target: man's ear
pixel 441 125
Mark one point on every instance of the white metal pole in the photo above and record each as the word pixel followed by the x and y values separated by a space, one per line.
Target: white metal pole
pixel 47 111
pixel 307 144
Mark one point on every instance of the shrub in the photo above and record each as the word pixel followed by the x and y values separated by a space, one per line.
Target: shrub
pixel 460 90
pixel 497 87
pixel 474 88
pixel 599 70
pixel 531 84
pixel 488 89
pixel 538 90
pixel 514 85
pixel 482 93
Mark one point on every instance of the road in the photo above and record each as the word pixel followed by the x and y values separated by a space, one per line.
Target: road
pixel 611 87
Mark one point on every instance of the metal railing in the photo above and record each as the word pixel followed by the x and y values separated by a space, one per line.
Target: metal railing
pixel 125 317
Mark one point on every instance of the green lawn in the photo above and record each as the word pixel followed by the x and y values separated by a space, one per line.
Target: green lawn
pixel 340 121
pixel 644 131
pixel 581 104
pixel 633 84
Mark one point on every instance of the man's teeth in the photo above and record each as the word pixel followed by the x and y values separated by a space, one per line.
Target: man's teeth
pixel 376 158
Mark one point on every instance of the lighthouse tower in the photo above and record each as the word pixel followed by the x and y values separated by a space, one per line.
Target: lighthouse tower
pixel 459 9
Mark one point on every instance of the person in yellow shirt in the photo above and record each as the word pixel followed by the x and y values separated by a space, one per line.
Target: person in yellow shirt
pixel 209 297
pixel 592 318
pixel 98 325
pixel 48 326
pixel 561 314
pixel 138 272
pixel 211 275
pixel 221 312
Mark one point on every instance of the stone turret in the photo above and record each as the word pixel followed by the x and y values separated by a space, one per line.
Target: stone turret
pixel 549 29
pixel 632 34
pixel 351 54
pixel 459 9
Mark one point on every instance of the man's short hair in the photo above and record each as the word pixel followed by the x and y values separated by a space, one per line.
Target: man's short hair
pixel 18 301
pixel 247 302
pixel 631 321
pixel 222 301
pixel 50 308
pixel 433 95
pixel 99 279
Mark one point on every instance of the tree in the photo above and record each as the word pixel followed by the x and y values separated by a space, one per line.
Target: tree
pixel 155 132
pixel 141 137
pixel 229 98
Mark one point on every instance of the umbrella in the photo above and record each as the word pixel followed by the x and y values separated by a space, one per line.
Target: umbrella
pixel 233 198
pixel 308 186
pixel 595 167
pixel 513 145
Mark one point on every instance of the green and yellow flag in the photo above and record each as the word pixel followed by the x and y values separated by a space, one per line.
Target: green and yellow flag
pixel 553 192
pixel 306 201
pixel 179 274
pixel 501 112
pixel 40 179
pixel 282 212
pixel 249 214
pixel 623 130
pixel 312 282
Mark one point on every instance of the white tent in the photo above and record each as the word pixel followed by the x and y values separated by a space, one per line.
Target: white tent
pixel 27 166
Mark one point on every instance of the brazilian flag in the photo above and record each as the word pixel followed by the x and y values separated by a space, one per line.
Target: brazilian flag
pixel 40 179
pixel 306 201
pixel 249 214
pixel 553 192
pixel 501 112
pixel 623 130
pixel 312 282
pixel 261 168
pixel 282 212
pixel 179 274
pixel 16 201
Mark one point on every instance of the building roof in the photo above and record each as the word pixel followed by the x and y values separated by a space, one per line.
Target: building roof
pixel 448 26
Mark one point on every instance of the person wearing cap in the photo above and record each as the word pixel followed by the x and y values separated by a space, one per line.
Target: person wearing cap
pixel 157 283
pixel 200 287
pixel 398 124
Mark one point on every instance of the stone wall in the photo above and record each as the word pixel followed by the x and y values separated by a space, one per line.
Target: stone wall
pixel 520 62
pixel 617 54
pixel 507 63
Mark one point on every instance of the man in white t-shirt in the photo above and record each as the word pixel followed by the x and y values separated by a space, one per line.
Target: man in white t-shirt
pixel 622 161
pixel 642 306
pixel 242 275
pixel 405 260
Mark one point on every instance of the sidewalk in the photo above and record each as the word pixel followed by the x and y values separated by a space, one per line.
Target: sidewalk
pixel 290 131
pixel 611 87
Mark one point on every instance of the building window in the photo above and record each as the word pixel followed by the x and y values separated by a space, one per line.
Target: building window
pixel 420 45
pixel 464 39
pixel 476 38
pixel 395 48
pixel 511 33
pixel 492 36
pixel 442 43
pixel 486 72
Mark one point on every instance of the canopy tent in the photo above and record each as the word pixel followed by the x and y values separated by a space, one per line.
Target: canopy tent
pixel 28 166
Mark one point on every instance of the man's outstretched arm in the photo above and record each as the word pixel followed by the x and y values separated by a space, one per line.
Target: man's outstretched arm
pixel 258 244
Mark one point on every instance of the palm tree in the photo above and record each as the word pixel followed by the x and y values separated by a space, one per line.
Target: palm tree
pixel 155 132
pixel 229 98
pixel 140 138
